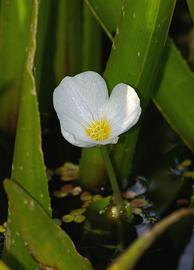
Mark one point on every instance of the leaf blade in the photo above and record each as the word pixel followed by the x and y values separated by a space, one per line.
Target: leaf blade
pixel 28 165
pixel 53 240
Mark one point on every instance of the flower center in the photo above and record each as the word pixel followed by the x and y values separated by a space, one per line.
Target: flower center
pixel 99 130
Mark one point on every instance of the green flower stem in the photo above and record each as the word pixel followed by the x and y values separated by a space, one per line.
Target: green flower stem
pixel 113 179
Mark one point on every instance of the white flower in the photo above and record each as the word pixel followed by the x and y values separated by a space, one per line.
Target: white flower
pixel 88 116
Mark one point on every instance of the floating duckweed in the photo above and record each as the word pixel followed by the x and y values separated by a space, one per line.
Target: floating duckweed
pixel 67 218
pixel 60 194
pixel 67 188
pixel 76 191
pixel 68 171
pixel 79 219
pixel 86 196
pixel 77 212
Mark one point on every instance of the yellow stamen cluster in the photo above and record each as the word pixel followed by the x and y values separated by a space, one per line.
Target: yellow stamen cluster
pixel 99 130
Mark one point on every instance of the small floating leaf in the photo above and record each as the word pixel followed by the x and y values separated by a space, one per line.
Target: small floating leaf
pixel 77 212
pixel 68 218
pixel 79 219
pixel 76 191
pixel 53 248
pixel 60 194
pixel 67 188
pixel 68 171
pixel 86 196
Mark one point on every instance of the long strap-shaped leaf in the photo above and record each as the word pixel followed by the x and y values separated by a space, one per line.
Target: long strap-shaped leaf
pixel 45 240
pixel 179 117
pixel 174 95
pixel 137 46
pixel 28 166
pixel 130 257
pixel 14 21
pixel 190 4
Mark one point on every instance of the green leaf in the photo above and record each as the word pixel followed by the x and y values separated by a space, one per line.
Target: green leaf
pixel 136 49
pixel 42 31
pixel 138 54
pixel 175 95
pixel 130 257
pixel 91 47
pixel 97 205
pixel 175 64
pixel 45 240
pixel 190 4
pixel 74 35
pixel 61 43
pixel 14 28
pixel 3 266
pixel 91 41
pixel 28 165
pixel 107 13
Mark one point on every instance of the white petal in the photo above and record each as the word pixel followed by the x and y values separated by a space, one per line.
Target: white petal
pixel 73 140
pixel 77 101
pixel 122 109
pixel 74 133
pixel 80 97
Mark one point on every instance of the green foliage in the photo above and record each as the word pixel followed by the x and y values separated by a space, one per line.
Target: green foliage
pixel 15 22
pixel 107 13
pixel 46 242
pixel 135 53
pixel 97 205
pixel 28 166
pixel 69 39
pixel 91 46
pixel 170 107
pixel 174 96
pixel 129 258
pixel 74 35
pixel 3 266
pixel 190 4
